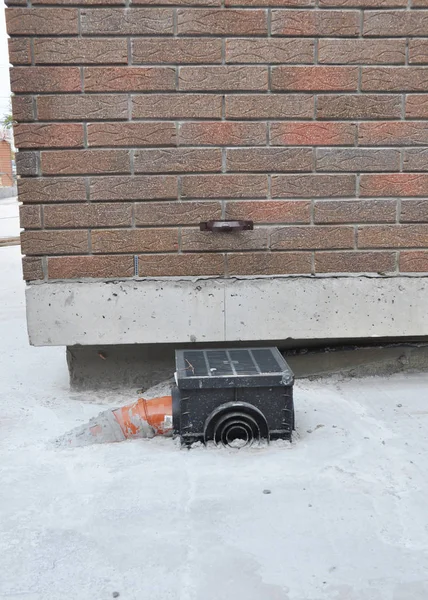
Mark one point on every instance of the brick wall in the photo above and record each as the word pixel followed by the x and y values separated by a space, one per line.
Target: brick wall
pixel 137 122
pixel 6 175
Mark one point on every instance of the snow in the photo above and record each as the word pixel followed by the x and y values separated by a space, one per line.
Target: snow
pixel 346 518
pixel 9 218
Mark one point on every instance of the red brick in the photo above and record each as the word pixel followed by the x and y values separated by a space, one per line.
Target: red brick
pixel 133 188
pixel 82 107
pixel 315 78
pixel 269 263
pixel 129 79
pixel 391 79
pixel 418 52
pixel 19 51
pixel 193 240
pixel 415 159
pixel 221 22
pixel 22 108
pixel 42 21
pixel 27 163
pixel 178 160
pixel 269 3
pixel 419 3
pixel 414 211
pixel 76 162
pixel 224 78
pixel 176 51
pixel 413 262
pixel 356 211
pixel 131 134
pixel 363 3
pixel 70 216
pixel 311 238
pixel 176 213
pixel 393 236
pixel 357 159
pixel 45 79
pixel 265 211
pixel 15 2
pixel 52 189
pixel 185 106
pixel 270 50
pixel 362 51
pixel 30 217
pixel 133 21
pixel 32 268
pixel 195 3
pixel 394 185
pixel 222 133
pixel 396 23
pixel 80 51
pixel 313 134
pixel 272 106
pixel 224 186
pixel 81 2
pixel 180 265
pixel 50 135
pixel 389 133
pixel 75 267
pixel 330 23
pixel 119 241
pixel 354 262
pixel 417 106
pixel 269 159
pixel 316 186
pixel 54 242
pixel 361 106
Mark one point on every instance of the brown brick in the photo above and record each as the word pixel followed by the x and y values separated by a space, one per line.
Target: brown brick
pixel 128 21
pixel 195 3
pixel 80 51
pixel 45 79
pixel 224 186
pixel 334 23
pixel 419 3
pixel 224 78
pixel 417 106
pixel 27 163
pixel 74 267
pixel 314 78
pixel 269 3
pixel 133 188
pixel 221 22
pixel 418 52
pixel 82 107
pixel 19 51
pixel 357 159
pixel 180 265
pixel 311 238
pixel 52 189
pixel 70 216
pixel 394 79
pixel 354 262
pixel 356 211
pixel 22 108
pixel 30 217
pixel 129 79
pixel 193 240
pixel 42 21
pixel 396 23
pixel 415 159
pixel 393 236
pixel 414 211
pixel 272 106
pixel 184 106
pixel 316 186
pixel 389 133
pixel 15 2
pixel 313 134
pixel 50 135
pixel 176 51
pixel 131 134
pixel 413 262
pixel 360 52
pixel 367 106
pixel 178 160
pixel 76 162
pixel 54 242
pixel 176 213
pixel 222 133
pixel 32 268
pixel 363 3
pixel 134 240
pixel 270 50
pixel 269 159
pixel 268 263
pixel 81 2
pixel 265 211
pixel 394 184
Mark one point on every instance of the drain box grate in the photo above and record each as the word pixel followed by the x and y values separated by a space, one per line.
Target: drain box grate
pixel 233 396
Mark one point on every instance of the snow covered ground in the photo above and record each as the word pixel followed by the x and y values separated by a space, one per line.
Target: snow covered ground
pixel 346 518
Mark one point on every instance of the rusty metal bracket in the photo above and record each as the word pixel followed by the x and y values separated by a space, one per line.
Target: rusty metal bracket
pixel 226 226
